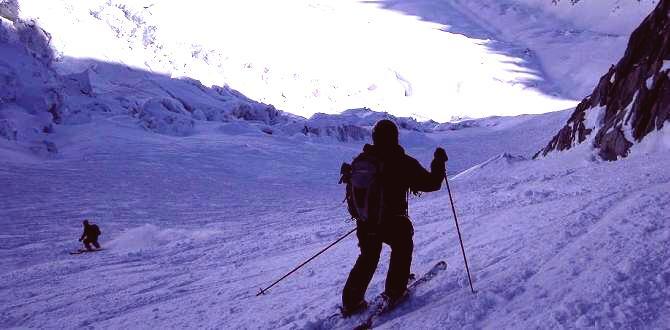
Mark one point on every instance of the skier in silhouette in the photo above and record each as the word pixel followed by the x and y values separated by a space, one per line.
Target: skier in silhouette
pixel 90 235
pixel 399 175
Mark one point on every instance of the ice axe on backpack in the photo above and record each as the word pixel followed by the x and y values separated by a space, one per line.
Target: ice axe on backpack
pixel 460 238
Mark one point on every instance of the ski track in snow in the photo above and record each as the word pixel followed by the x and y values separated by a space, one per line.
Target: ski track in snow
pixel 194 226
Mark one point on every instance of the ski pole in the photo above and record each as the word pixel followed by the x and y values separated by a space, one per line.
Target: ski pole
pixel 460 238
pixel 262 291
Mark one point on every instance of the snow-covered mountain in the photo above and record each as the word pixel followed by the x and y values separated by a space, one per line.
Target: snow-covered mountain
pixel 309 56
pixel 117 58
pixel 39 104
pixel 631 103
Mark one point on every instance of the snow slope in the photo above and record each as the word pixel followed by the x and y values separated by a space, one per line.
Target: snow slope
pixel 616 17
pixel 568 44
pixel 193 226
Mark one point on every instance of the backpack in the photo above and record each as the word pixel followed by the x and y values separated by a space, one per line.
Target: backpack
pixel 96 230
pixel 364 191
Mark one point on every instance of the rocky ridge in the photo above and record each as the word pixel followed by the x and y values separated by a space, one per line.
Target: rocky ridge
pixel 631 100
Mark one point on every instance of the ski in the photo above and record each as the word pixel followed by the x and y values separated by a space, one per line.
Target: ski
pixel 384 307
pixel 378 305
pixel 80 251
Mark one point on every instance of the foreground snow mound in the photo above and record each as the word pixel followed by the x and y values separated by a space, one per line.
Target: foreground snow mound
pixel 631 101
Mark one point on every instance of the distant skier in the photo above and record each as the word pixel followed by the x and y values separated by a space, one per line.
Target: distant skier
pixel 90 235
pixel 384 170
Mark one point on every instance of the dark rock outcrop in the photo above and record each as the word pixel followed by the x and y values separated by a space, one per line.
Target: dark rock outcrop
pixel 632 99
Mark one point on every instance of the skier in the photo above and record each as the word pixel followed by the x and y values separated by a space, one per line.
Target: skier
pixel 90 235
pixel 399 175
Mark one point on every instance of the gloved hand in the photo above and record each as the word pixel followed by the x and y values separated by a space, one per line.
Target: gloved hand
pixel 440 155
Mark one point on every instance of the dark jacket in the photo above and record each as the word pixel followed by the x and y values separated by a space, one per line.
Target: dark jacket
pixel 402 174
pixel 91 232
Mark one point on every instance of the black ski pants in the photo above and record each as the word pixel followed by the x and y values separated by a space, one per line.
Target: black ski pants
pixel 395 231
pixel 92 240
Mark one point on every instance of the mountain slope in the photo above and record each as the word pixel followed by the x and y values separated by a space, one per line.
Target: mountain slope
pixel 567 44
pixel 335 55
pixel 631 101
pixel 193 226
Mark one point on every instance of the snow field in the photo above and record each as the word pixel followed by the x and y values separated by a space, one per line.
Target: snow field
pixel 194 226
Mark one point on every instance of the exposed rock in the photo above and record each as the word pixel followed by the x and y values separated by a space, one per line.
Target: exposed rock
pixel 634 95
